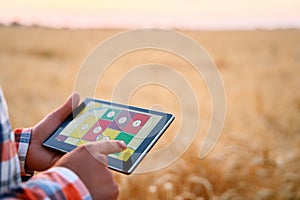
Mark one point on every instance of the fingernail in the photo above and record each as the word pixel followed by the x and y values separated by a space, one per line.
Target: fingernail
pixel 122 144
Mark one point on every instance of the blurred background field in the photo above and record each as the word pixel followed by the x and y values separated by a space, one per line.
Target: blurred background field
pixel 258 154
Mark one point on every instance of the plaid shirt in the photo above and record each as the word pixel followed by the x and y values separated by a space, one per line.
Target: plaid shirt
pixel 55 183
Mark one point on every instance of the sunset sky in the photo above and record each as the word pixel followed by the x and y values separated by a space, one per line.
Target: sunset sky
pixel 188 14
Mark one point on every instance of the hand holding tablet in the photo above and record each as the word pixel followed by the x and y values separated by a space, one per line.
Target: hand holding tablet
pixel 98 120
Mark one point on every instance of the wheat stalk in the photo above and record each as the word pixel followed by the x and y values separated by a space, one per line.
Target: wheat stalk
pixel 194 179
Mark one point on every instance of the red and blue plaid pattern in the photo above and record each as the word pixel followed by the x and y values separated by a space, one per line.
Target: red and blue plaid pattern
pixel 10 167
pixel 56 183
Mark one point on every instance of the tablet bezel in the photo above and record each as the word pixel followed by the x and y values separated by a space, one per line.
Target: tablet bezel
pixel 125 167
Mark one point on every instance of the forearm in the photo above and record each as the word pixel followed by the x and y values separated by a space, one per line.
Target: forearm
pixel 56 183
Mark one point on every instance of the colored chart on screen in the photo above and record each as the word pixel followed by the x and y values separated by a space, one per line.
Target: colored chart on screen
pixel 97 122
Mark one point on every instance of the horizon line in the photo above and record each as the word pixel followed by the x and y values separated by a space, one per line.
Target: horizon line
pixel 127 27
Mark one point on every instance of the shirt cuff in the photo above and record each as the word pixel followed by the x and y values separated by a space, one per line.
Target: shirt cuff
pixel 22 139
pixel 71 178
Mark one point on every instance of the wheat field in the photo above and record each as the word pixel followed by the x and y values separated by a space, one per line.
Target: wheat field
pixel 257 155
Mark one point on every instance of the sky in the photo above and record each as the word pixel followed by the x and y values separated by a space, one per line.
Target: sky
pixel 184 14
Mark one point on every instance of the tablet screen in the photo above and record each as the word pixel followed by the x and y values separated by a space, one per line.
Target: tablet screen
pixel 97 120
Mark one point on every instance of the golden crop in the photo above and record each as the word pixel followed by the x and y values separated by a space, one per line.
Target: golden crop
pixel 258 154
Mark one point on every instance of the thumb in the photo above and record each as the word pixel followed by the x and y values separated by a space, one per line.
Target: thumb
pixel 54 119
pixel 106 147
pixel 61 113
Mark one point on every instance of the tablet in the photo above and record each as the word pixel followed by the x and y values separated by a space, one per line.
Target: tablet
pixel 97 120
